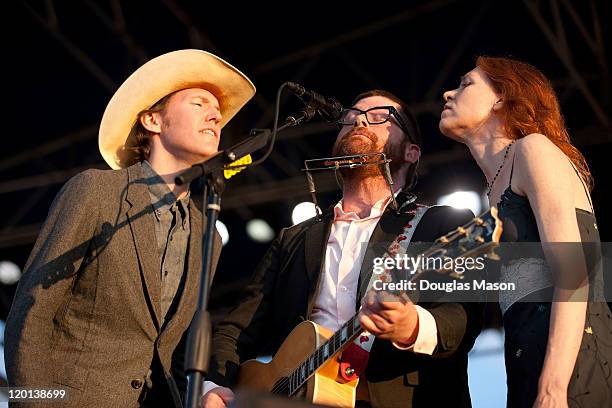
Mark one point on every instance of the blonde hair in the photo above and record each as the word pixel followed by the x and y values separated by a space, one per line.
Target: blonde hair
pixel 138 145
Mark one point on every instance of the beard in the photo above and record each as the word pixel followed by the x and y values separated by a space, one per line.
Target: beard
pixel 350 145
pixel 395 152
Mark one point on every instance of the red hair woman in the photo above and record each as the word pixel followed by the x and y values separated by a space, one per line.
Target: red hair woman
pixel 558 344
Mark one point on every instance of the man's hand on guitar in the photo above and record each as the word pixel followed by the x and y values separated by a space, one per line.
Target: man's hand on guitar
pixel 218 397
pixel 390 317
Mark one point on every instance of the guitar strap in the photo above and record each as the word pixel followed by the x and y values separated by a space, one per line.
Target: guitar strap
pixel 354 359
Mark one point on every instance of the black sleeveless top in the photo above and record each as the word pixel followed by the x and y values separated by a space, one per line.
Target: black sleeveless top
pixel 519 223
pixel 526 322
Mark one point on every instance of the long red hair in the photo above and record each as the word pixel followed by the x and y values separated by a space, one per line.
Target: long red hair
pixel 531 106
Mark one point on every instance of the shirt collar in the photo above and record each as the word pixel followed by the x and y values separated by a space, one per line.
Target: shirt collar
pixel 375 212
pixel 162 198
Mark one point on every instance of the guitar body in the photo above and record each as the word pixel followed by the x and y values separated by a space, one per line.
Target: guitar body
pixel 325 386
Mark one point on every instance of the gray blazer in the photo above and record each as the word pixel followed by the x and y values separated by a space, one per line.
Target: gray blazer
pixel 86 315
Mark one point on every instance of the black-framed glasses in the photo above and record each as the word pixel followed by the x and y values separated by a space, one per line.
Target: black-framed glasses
pixel 376 115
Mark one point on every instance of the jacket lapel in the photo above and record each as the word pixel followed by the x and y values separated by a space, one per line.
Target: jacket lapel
pixel 314 249
pixel 142 225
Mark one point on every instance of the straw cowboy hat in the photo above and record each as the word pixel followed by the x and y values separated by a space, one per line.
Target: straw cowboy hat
pixel 159 77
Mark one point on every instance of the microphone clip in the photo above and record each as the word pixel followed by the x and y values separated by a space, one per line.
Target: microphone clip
pixel 328 108
pixel 303 115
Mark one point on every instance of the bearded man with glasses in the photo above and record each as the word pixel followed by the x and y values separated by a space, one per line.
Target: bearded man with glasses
pixel 320 269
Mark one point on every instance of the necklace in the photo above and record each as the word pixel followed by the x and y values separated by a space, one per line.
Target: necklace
pixel 501 166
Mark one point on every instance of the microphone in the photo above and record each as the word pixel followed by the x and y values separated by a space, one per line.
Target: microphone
pixel 329 108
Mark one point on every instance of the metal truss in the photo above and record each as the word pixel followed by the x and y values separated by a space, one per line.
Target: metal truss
pixel 556 34
pixel 280 178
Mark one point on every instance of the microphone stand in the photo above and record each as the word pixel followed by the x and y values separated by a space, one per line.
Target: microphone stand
pixel 197 355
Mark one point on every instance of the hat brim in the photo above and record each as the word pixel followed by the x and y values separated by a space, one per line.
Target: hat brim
pixel 162 76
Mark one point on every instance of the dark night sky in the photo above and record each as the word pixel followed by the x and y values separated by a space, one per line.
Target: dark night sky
pixel 347 49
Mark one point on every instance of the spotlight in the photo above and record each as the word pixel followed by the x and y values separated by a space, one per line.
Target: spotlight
pixel 223 232
pixel 9 273
pixel 259 230
pixel 463 199
pixel 303 211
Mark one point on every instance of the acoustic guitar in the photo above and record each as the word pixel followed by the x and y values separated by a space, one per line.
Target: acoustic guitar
pixel 307 364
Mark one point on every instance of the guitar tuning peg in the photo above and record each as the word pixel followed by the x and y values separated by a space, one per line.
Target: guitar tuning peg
pixel 493 256
pixel 456 275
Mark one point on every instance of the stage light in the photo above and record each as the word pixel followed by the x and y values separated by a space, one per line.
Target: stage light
pixel 302 212
pixel 223 232
pixel 259 230
pixel 463 199
pixel 9 273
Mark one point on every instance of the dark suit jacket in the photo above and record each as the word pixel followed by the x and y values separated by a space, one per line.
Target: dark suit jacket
pixel 86 315
pixel 280 295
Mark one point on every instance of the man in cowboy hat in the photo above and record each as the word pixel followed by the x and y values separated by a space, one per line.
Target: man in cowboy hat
pixel 111 285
